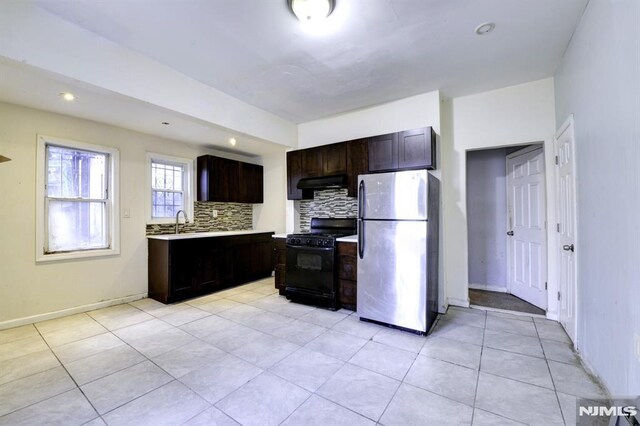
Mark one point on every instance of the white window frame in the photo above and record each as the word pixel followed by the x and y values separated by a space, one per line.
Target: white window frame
pixel 112 206
pixel 187 184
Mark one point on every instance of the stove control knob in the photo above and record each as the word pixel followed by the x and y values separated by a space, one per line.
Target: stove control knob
pixel 308 241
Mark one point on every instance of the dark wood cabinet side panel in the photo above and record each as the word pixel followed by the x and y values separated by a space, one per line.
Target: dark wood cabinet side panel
pixel 347 294
pixel 158 269
pixel 280 255
pixel 357 164
pixel 294 174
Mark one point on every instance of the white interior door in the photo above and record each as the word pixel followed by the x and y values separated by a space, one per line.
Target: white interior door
pixel 526 205
pixel 566 227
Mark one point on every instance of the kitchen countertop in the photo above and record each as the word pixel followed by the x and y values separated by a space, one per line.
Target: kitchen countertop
pixel 348 239
pixel 188 235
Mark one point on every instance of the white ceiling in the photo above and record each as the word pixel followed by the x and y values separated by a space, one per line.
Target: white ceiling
pixel 374 50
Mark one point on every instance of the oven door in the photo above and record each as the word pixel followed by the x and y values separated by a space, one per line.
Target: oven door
pixel 310 269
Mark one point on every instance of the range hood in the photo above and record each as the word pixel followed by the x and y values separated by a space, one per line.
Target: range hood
pixel 325 182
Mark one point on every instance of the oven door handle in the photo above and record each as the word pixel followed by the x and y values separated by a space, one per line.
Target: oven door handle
pixel 361 238
pixel 314 248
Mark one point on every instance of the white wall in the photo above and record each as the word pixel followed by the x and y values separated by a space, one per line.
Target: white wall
pixel 514 115
pixel 28 289
pixel 487 218
pixel 598 82
pixel 409 113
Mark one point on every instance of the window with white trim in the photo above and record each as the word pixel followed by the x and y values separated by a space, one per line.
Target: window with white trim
pixel 77 215
pixel 170 187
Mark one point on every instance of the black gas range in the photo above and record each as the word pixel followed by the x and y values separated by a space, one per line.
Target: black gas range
pixel 311 257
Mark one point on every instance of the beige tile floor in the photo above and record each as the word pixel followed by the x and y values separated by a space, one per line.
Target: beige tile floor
pixel 248 356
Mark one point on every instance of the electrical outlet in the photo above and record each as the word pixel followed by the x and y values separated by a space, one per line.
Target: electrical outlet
pixel 636 345
pixel 214 213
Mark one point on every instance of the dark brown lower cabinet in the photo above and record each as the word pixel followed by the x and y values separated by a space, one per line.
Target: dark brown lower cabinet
pixel 181 269
pixel 347 274
pixel 280 259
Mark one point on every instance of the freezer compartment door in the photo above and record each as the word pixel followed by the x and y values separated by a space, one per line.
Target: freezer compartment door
pixel 392 275
pixel 396 196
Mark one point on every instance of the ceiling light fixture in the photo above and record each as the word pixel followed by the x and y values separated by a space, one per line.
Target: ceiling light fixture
pixel 485 28
pixel 232 141
pixel 311 10
pixel 68 96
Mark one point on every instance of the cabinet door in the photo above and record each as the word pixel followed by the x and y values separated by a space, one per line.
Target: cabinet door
pixel 313 162
pixel 357 164
pixel 383 152
pixel 294 174
pixel 335 159
pixel 217 179
pixel 416 149
pixel 250 183
pixel 183 263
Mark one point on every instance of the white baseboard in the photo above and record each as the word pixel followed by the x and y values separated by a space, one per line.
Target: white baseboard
pixel 463 303
pixel 70 311
pixel 488 287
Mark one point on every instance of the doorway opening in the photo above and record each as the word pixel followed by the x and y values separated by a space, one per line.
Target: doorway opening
pixel 506 222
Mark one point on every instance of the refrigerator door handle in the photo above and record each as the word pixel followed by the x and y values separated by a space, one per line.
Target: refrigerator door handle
pixel 361 238
pixel 361 200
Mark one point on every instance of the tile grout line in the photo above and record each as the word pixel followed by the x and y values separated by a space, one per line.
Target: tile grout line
pixel 475 394
pixel 553 382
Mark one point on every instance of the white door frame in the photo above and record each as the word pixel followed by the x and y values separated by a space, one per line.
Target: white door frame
pixel 518 153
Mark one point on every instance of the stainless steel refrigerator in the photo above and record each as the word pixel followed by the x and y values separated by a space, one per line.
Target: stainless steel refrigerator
pixel 398 215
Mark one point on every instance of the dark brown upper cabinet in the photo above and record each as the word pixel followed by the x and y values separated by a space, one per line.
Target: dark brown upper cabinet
pixel 312 162
pixel 251 181
pixel 326 160
pixel 334 160
pixel 225 180
pixel 357 164
pixel 383 152
pixel 417 149
pixel 410 149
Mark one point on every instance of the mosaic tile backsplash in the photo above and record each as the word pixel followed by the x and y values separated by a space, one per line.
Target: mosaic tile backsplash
pixel 327 203
pixel 231 217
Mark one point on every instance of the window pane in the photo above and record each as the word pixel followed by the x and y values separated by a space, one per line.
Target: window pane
pixel 76 225
pixel 75 173
pixel 166 176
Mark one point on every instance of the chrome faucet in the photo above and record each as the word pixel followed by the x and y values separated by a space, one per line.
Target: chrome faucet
pixel 186 219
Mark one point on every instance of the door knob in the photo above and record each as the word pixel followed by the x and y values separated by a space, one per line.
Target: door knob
pixel 510 233
pixel 568 247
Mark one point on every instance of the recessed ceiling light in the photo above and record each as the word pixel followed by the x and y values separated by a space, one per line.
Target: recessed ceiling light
pixel 166 123
pixel 232 141
pixel 311 10
pixel 68 96
pixel 485 28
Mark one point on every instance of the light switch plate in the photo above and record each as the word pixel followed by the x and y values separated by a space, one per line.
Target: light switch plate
pixel 214 213
pixel 126 213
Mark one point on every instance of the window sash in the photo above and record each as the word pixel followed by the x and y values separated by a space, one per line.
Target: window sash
pixel 105 201
pixel 155 189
